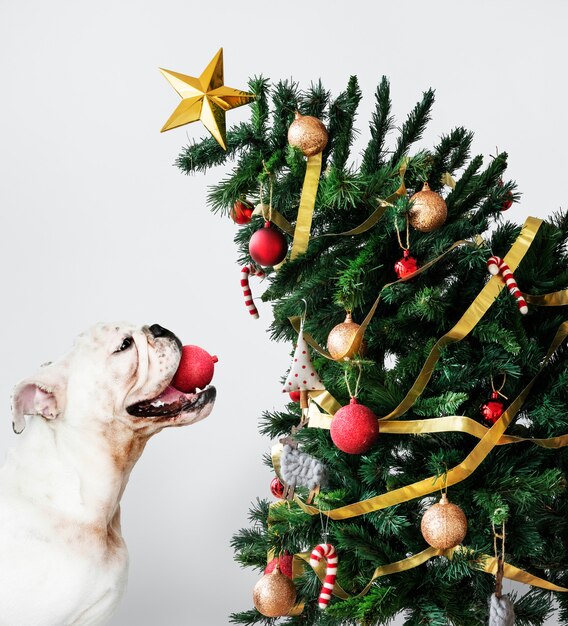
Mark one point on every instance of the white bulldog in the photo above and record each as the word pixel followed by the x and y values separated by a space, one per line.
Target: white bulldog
pixel 63 560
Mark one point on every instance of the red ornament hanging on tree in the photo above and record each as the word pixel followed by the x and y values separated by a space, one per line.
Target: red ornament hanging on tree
pixel 492 410
pixel 295 396
pixel 241 213
pixel 284 561
pixel 354 428
pixel 406 265
pixel 268 246
pixel 508 200
pixel 277 488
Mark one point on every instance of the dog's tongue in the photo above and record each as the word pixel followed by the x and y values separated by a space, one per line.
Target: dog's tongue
pixel 169 395
pixel 195 369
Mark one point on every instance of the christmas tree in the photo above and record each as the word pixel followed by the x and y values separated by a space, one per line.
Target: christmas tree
pixel 469 393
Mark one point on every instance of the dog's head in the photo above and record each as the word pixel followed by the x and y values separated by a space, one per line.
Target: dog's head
pixel 113 372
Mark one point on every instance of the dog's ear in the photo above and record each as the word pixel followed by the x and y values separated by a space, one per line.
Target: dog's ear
pixel 42 394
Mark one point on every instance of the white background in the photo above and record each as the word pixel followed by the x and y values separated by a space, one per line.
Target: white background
pixel 98 225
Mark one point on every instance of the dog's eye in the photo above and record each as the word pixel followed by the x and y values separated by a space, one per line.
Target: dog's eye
pixel 125 344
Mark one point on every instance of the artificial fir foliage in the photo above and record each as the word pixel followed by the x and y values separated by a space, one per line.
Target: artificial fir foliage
pixel 340 273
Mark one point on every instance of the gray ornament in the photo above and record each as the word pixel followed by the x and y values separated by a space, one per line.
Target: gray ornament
pixel 299 468
pixel 501 611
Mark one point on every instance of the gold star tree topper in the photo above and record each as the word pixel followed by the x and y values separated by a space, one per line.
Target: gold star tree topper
pixel 205 98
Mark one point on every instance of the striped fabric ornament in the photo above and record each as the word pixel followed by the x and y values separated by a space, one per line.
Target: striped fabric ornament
pixel 246 270
pixel 328 552
pixel 496 265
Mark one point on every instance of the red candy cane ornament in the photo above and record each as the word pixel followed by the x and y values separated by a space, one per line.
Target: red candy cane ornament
pixel 325 551
pixel 245 271
pixel 496 265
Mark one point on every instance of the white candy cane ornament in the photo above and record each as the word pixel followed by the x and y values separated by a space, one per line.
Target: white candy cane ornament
pixel 245 271
pixel 325 551
pixel 496 265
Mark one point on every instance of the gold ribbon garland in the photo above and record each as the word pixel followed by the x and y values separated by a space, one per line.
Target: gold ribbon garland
pixel 556 298
pixel 461 329
pixel 296 321
pixel 448 424
pixel 454 475
pixel 489 437
pixel 380 211
pixel 485 563
pixel 307 213
pixel 301 233
pixel 307 204
pixel 330 405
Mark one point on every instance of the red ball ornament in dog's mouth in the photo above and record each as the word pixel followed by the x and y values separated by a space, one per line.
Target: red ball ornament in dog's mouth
pixel 188 392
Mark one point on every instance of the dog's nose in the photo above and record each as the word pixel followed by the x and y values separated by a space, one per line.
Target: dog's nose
pixel 160 331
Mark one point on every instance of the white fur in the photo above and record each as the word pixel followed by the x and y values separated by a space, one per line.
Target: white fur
pixel 63 561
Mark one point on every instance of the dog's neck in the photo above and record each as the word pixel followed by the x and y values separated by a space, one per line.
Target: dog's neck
pixel 83 472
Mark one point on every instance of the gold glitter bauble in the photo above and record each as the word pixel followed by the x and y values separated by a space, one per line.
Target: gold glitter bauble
pixel 429 210
pixel 307 133
pixel 274 594
pixel 444 525
pixel 340 338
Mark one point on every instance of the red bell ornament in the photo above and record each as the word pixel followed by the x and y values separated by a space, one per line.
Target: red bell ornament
pixel 406 265
pixel 268 246
pixel 277 488
pixel 492 410
pixel 241 213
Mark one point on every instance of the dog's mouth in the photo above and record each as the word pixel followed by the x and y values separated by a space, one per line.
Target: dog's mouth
pixel 172 403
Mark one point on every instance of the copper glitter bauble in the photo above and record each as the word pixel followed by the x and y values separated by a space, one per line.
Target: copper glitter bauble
pixel 444 525
pixel 493 409
pixel 406 265
pixel 429 210
pixel 274 594
pixel 340 338
pixel 277 488
pixel 308 134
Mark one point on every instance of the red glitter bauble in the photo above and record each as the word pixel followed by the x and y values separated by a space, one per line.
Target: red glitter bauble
pixel 285 562
pixel 295 396
pixel 195 369
pixel 354 428
pixel 406 265
pixel 277 488
pixel 493 409
pixel 268 246
pixel 241 213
